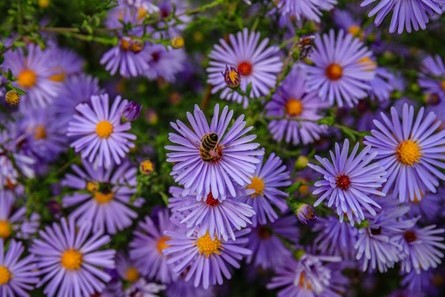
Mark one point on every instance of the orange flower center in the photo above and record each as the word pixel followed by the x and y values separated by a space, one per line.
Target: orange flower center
pixel 103 198
pixel 408 152
pixel 294 107
pixel 104 129
pixel 39 132
pixel 162 243
pixel 245 68
pixel 5 275
pixel 5 229
pixel 343 182
pixel 27 78
pixel 71 259
pixel 258 185
pixel 132 274
pixel 334 71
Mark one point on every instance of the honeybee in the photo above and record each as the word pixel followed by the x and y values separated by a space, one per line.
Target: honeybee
pixel 207 149
pixel 306 44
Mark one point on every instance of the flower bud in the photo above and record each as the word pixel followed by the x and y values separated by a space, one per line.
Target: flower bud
pixel 305 213
pixel 12 98
pixel 146 167
pixel 232 77
pixel 132 111
pixel 301 162
pixel 177 42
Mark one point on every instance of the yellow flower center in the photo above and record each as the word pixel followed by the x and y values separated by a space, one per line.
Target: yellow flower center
pixel 39 132
pixel 442 84
pixel 71 259
pixel 58 77
pixel 334 71
pixel 408 152
pixel 177 42
pixel 368 63
pixel 92 186
pixel 208 246
pixel 258 185
pixel 294 107
pixel 5 229
pixel 27 78
pixel 354 30
pixel 44 3
pixel 104 129
pixel 5 275
pixel 103 198
pixel 142 13
pixel 162 243
pixel 132 274
pixel 146 167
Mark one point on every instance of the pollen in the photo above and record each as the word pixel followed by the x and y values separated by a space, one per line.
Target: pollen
pixel 408 152
pixel 334 71
pixel 342 181
pixel 442 84
pixel 162 243
pixel 104 129
pixel 245 68
pixel 27 78
pixel 71 259
pixel 208 246
pixel 304 283
pixel 103 198
pixel 5 229
pixel 258 185
pixel 294 107
pixel 210 201
pixel 5 275
pixel 39 132
pixel 132 274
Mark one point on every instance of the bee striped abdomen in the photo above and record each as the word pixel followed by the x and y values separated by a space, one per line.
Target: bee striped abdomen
pixel 209 148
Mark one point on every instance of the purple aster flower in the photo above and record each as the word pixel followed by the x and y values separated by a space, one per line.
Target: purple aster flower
pixel 18 275
pixel 349 181
pixel 263 191
pixel 424 247
pixel 418 282
pixel 257 64
pixel 66 62
pixel 11 219
pixel 13 163
pixel 76 89
pixel 132 111
pixel 33 72
pixel 186 289
pixel 307 277
pixel 70 261
pixel 130 57
pixel 307 9
pixel 432 79
pixel 128 272
pixel 378 245
pixel 103 196
pixel 219 218
pixel 44 137
pixel 99 135
pixel 173 14
pixel 428 208
pixel 406 14
pixel 349 22
pixel 382 85
pixel 411 149
pixel 297 111
pixel 211 159
pixel 335 238
pixel 29 225
pixel 164 63
pixel 146 249
pixel 343 69
pixel 204 259
pixel 266 242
